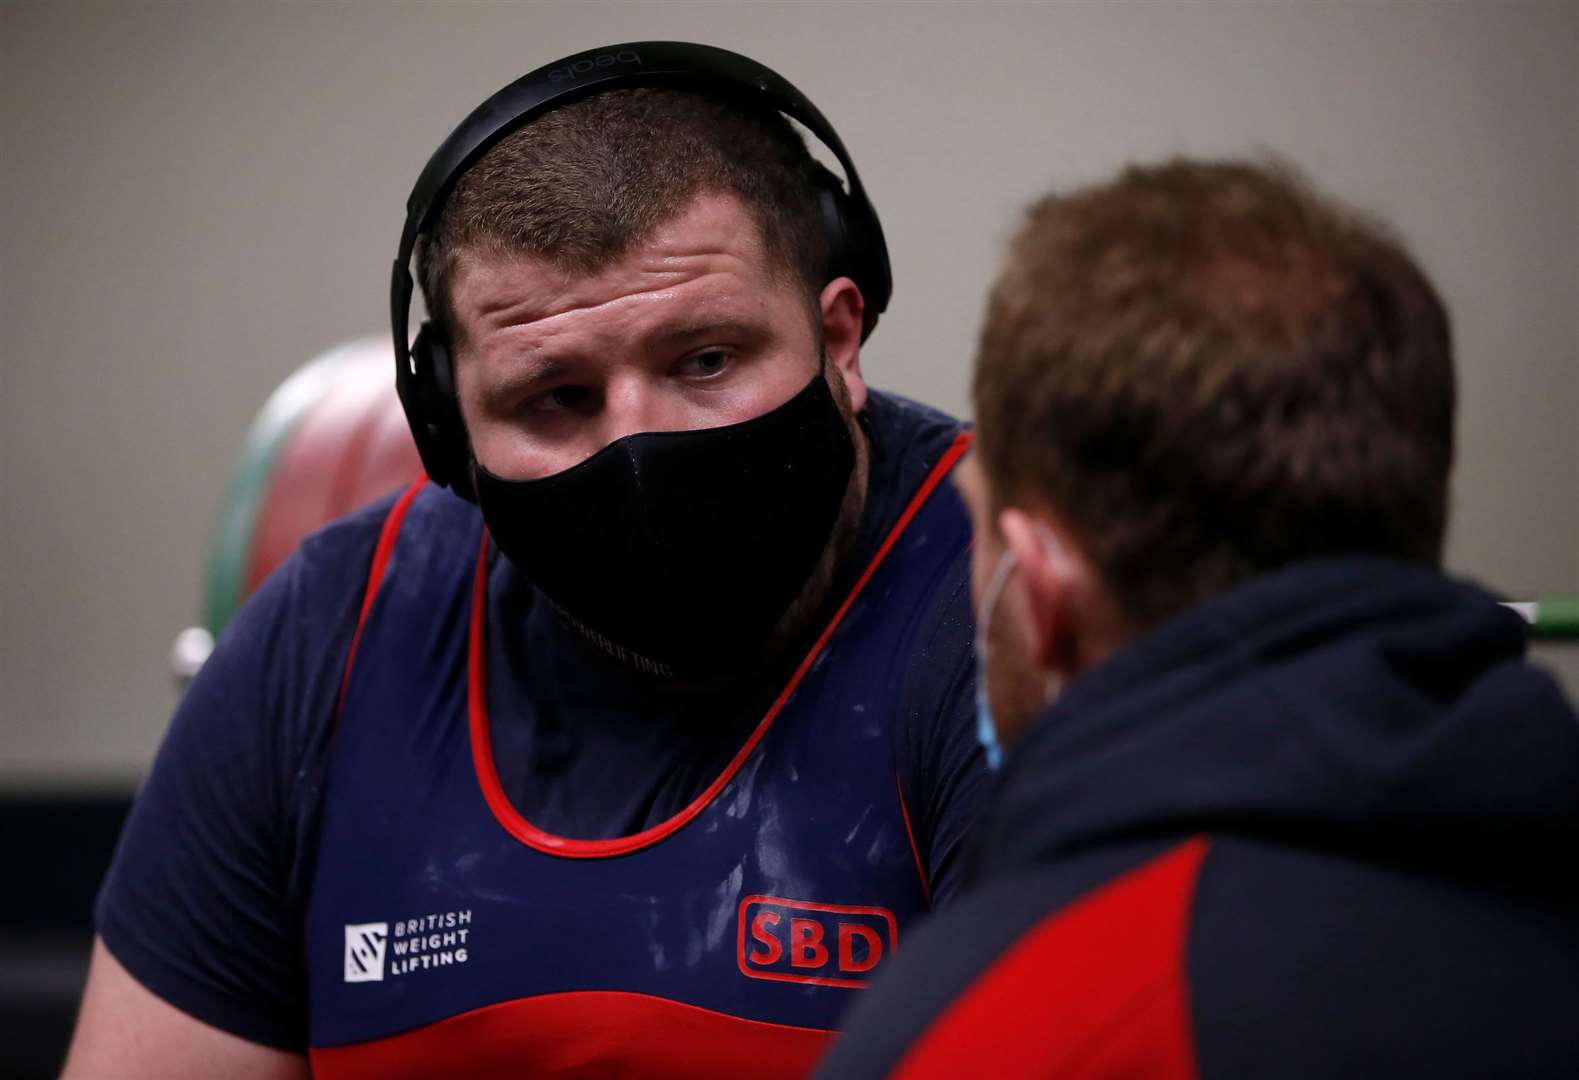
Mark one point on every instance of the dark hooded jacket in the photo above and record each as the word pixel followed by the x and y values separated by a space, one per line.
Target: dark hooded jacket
pixel 1325 824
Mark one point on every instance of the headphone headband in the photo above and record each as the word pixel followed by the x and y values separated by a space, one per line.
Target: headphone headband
pixel 423 370
pixel 677 64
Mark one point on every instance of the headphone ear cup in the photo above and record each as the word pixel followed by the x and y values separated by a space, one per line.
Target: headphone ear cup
pixel 830 206
pixel 433 411
pixel 850 247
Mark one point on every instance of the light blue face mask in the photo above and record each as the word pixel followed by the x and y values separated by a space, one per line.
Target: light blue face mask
pixel 986 730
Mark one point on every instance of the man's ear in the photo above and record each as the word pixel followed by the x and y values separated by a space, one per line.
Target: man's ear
pixel 841 304
pixel 1053 576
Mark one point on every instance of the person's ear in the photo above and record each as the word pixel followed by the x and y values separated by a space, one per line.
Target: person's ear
pixel 1053 577
pixel 841 305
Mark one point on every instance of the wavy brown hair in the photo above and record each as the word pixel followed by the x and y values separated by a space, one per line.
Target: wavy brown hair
pixel 1209 371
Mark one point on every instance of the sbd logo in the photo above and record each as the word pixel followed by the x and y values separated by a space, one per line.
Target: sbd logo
pixel 825 944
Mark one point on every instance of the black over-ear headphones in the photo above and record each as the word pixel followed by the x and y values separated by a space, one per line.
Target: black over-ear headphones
pixel 424 375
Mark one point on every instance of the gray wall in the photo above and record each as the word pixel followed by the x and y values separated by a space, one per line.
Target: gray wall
pixel 196 198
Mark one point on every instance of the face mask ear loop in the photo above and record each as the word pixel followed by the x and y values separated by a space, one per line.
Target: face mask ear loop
pixel 989 595
pixel 986 730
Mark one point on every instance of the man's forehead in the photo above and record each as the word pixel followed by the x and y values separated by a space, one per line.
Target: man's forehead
pixel 515 290
pixel 713 235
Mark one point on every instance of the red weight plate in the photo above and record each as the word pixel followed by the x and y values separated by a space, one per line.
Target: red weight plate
pixel 319 473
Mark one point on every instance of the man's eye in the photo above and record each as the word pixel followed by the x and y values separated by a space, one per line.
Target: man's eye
pixel 705 365
pixel 559 399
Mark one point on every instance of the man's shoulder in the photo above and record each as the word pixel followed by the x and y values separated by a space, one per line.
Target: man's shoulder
pixel 291 629
pixel 342 549
pixel 909 428
pixel 345 539
pixel 909 442
pixel 913 446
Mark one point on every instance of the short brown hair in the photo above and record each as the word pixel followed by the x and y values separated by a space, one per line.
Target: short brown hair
pixel 581 184
pixel 1209 372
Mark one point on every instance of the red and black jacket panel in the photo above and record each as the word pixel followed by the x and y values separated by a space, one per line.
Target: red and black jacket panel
pixel 1227 958
pixel 1018 977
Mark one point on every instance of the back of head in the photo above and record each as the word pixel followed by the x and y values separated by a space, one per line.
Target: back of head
pixel 1209 372
pixel 582 184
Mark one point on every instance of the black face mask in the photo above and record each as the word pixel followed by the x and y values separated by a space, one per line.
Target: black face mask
pixel 678 552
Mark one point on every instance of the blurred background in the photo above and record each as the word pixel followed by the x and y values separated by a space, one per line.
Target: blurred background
pixel 197 198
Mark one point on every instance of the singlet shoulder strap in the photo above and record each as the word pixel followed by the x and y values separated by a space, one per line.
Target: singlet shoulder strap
pixel 375 575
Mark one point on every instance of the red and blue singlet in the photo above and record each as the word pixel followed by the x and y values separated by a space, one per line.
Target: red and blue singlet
pixel 447 935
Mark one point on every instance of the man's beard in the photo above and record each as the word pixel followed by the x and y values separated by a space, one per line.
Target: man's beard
pixel 814 596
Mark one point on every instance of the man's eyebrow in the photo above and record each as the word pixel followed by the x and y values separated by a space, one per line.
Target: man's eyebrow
pixel 724 326
pixel 522 378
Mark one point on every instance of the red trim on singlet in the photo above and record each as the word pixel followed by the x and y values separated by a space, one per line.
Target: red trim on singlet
pixel 482 742
pixel 910 834
pixel 584 1033
pixel 375 575
pixel 1097 988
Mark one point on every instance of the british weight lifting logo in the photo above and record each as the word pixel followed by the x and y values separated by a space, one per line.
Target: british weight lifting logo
pixel 420 944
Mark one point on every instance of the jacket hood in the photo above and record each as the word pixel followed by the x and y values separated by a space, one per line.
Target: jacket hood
pixel 1356 704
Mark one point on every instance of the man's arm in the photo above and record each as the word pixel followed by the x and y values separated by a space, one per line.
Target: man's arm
pixel 124 1031
pixel 198 966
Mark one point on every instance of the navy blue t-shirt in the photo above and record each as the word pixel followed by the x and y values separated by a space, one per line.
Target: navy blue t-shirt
pixel 205 901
